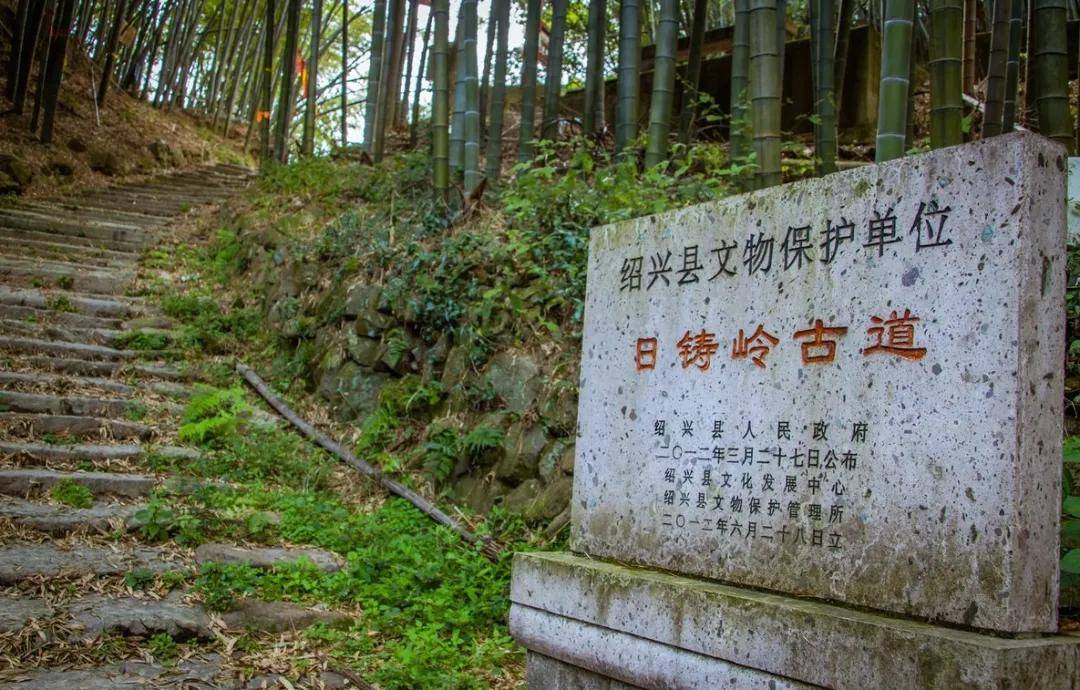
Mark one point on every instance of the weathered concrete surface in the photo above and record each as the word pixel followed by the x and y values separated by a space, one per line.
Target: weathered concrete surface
pixel 266 557
pixel 950 287
pixel 278 616
pixel 96 615
pixel 16 611
pixel 588 613
pixel 60 520
pixel 203 671
pixel 23 561
pixel 544 672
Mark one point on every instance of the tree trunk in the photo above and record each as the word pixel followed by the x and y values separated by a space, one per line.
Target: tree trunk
pixel 946 65
pixel 765 90
pixel 999 57
pixel 740 82
pixel 457 124
pixel 843 31
pixel 895 76
pixel 288 79
pixel 344 73
pixel 50 22
pixel 375 59
pixel 440 99
pixel 410 38
pixel 34 17
pixel 553 83
pixel 593 119
pixel 626 108
pixel 822 42
pixel 110 51
pixel 1012 66
pixel 266 154
pixel 420 77
pixel 1052 72
pixel 693 72
pixel 663 86
pixel 498 90
pixel 16 48
pixel 485 81
pixel 528 79
pixel 391 83
pixel 54 68
pixel 308 146
pixel 472 99
pixel 968 12
pixel 781 35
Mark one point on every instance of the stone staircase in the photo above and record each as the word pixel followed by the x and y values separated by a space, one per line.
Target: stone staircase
pixel 78 409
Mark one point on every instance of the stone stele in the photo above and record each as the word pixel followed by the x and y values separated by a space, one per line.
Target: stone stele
pixel 847 388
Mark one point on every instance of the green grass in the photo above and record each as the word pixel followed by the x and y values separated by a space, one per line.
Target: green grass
pixel 71 494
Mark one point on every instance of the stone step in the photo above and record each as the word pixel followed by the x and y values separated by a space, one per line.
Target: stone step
pixel 279 616
pixel 49 453
pixel 21 561
pixel 13 312
pixel 267 557
pixel 84 367
pixel 70 301
pixel 50 331
pixel 203 671
pixel 8 235
pixel 126 205
pixel 34 250
pixel 113 237
pixel 16 612
pixel 58 521
pixel 73 210
pixel 39 382
pixel 21 425
pixel 98 228
pixel 150 204
pixel 97 615
pixel 57 348
pixel 65 277
pixel 28 482
pixel 80 406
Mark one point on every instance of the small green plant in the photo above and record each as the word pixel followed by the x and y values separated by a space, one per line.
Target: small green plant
pixel 156 521
pixel 72 494
pixel 163 648
pixel 143 340
pixel 212 416
pixel 140 578
pixel 65 282
pixel 482 438
pixel 59 303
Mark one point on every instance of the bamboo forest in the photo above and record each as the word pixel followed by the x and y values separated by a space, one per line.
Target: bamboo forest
pixel 539 344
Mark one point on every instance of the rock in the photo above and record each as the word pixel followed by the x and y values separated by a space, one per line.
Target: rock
pixel 457 367
pixel 201 671
pixel 279 616
pixel 548 464
pixel 8 185
pixel 522 446
pixel 372 324
pixel 479 493
pixel 566 460
pixel 515 376
pixel 551 501
pixel 97 615
pixel 558 407
pixel 268 557
pixel 62 167
pixel 519 500
pixel 21 482
pixel 77 145
pixel 16 611
pixel 105 162
pixel 364 351
pixel 60 520
pixel 353 389
pixel 362 298
pixel 17 169
pixel 165 154
pixel 23 561
pixel 398 352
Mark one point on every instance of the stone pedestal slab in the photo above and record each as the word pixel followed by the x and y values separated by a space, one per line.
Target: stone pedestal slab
pixel 588 622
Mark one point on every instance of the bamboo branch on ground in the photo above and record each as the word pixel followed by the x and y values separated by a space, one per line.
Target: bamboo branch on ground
pixel 490 548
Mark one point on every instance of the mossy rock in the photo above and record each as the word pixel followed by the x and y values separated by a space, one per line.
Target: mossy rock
pixel 364 351
pixel 361 298
pixel 456 369
pixel 352 389
pixel 558 408
pixel 8 185
pixel 548 464
pixel 17 169
pixel 479 493
pixel 520 499
pixel 551 501
pixel 515 377
pixel 522 446
pixel 105 162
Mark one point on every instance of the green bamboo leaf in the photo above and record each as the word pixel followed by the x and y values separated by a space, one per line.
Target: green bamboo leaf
pixel 1070 562
pixel 1071 529
pixel 1071 449
pixel 1072 506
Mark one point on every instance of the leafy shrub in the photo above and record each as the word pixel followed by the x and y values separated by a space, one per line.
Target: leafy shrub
pixel 72 494
pixel 212 415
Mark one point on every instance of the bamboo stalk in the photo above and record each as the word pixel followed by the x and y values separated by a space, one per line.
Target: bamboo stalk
pixel 1012 66
pixel 740 82
pixel 1052 71
pixel 498 90
pixel 825 130
pixel 995 79
pixel 471 121
pixel 490 548
pixel 528 79
pixel 663 91
pixel 895 76
pixel 946 66
pixel 765 91
pixel 693 73
pixel 626 108
pixel 440 98
pixel 593 118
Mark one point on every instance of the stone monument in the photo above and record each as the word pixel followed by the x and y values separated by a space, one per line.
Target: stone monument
pixel 819 439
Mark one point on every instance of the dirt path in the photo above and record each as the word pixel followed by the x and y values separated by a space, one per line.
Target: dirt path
pixel 85 400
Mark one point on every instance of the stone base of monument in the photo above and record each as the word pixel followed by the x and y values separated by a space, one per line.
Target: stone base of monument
pixel 592 625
